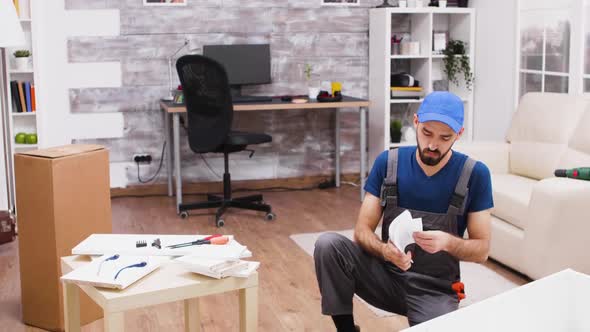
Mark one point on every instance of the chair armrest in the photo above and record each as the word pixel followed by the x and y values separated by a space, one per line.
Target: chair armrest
pixel 556 234
pixel 495 155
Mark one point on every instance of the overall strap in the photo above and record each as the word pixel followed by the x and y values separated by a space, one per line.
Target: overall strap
pixel 459 198
pixel 389 186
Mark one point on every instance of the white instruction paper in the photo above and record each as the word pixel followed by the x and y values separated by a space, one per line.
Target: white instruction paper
pixel 115 271
pixel 402 228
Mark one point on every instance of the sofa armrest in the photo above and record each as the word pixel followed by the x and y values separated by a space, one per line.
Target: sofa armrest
pixel 556 234
pixel 496 155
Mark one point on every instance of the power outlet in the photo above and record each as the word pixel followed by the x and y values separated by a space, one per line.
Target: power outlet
pixel 142 158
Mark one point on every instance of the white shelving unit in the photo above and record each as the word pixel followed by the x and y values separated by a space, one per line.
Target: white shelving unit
pixel 419 24
pixel 25 122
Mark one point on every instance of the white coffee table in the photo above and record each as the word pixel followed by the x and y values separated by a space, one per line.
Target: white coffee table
pixel 169 283
pixel 559 302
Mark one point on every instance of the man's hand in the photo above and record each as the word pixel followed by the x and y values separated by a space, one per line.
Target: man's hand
pixel 392 254
pixel 433 241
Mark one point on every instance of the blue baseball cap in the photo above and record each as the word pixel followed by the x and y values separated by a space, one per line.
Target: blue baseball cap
pixel 443 107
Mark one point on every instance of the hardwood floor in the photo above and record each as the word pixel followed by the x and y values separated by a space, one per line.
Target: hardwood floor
pixel 289 298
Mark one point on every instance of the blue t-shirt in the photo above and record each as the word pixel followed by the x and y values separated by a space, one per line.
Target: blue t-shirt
pixel 433 194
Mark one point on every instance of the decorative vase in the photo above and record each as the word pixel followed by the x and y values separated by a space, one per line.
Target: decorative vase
pixel 463 3
pixel 22 63
pixel 313 92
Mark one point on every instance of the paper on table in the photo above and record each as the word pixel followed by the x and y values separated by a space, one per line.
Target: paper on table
pixel 101 273
pixel 217 268
pixel 402 228
pixel 245 273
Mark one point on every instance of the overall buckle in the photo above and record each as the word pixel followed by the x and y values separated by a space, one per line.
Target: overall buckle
pixel 388 192
pixel 457 200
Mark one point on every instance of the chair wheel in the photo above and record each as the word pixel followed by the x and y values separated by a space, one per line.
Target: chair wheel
pixel 219 223
pixel 270 216
pixel 183 214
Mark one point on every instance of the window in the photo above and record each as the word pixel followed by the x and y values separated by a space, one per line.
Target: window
pixel 586 51
pixel 545 37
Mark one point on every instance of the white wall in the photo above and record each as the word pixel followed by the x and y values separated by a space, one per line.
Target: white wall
pixel 495 70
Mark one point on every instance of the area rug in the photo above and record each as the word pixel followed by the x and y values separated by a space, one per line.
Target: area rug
pixel 480 281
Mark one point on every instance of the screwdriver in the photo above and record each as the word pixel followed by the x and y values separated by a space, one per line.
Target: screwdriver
pixel 211 239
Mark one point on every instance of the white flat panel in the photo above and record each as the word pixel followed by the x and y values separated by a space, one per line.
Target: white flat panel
pixel 102 272
pixel 91 126
pixel 525 308
pixel 94 75
pixel 118 174
pixel 92 22
pixel 125 244
pixel 495 67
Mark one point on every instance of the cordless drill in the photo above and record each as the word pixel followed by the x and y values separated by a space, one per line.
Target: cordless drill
pixel 582 173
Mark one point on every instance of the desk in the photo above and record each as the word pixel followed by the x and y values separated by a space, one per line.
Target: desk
pixel 173 136
pixel 170 283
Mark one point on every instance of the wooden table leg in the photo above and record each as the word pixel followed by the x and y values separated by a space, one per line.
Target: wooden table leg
pixel 249 309
pixel 71 307
pixel 192 321
pixel 114 321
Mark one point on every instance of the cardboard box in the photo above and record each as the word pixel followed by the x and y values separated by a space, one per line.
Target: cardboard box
pixel 62 196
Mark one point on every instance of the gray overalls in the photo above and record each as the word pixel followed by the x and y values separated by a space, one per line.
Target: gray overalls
pixel 421 293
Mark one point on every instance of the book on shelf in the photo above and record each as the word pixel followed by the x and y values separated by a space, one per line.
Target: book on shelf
pixel 28 95
pixel 33 101
pixel 407 88
pixel 16 6
pixel 398 92
pixel 21 95
pixel 15 97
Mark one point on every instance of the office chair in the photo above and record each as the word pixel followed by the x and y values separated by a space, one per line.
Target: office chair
pixel 210 113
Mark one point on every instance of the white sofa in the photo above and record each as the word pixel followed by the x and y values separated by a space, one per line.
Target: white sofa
pixel 540 223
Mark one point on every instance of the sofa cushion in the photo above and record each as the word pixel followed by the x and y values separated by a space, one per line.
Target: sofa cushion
pixel 507 243
pixel 546 117
pixel 540 131
pixel 512 194
pixel 534 159
pixel 578 152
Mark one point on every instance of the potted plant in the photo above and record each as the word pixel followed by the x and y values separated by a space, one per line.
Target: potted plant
pixel 456 61
pixel 395 131
pixel 22 59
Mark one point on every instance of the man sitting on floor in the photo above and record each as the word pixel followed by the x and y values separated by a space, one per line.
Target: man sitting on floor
pixel 448 190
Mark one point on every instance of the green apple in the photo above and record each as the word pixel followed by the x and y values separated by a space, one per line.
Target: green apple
pixel 31 139
pixel 20 138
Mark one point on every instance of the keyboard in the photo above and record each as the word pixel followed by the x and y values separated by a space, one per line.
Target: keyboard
pixel 251 99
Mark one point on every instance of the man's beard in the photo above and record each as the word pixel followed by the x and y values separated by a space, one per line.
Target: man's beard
pixel 430 157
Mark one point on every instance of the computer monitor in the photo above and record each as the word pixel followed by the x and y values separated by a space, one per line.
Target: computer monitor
pixel 244 64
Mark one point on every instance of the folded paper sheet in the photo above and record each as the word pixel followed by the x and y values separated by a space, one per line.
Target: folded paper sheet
pixel 402 228
pixel 218 268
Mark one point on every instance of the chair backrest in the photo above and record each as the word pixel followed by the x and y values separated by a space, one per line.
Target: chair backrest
pixel 208 101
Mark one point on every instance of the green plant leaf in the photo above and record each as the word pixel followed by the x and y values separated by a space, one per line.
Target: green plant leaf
pixel 457 62
pixel 22 53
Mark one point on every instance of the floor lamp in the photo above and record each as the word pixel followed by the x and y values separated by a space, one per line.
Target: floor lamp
pixel 11 35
